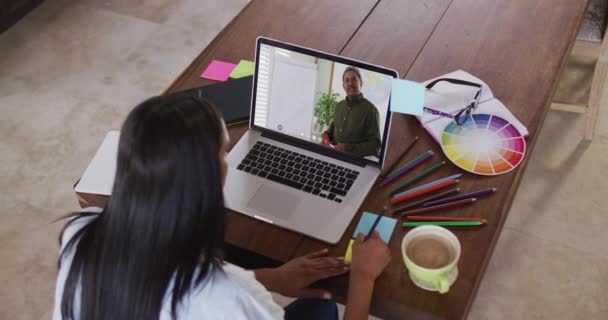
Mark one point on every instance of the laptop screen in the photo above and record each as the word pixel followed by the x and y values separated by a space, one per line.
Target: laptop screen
pixel 331 101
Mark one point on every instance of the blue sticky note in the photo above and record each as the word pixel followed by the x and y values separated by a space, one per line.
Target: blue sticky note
pixel 407 97
pixel 385 226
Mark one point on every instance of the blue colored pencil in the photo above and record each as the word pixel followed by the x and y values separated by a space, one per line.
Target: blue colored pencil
pixel 371 230
pixel 456 176
pixel 460 197
pixel 407 169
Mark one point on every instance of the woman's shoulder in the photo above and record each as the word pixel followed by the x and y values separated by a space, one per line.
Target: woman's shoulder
pixel 233 293
pixel 78 222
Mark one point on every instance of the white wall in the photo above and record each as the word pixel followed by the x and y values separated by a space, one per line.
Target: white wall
pixel 324 75
pixel 266 72
pixel 292 97
pixel 323 82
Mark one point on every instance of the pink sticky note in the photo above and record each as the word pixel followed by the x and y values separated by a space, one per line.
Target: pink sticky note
pixel 218 70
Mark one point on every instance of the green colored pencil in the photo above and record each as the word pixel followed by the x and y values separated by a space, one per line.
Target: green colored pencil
pixel 396 162
pixel 408 164
pixel 416 178
pixel 443 223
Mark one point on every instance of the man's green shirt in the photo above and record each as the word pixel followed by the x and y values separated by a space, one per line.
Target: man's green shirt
pixel 357 125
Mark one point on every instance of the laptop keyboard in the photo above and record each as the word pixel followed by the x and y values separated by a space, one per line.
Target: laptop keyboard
pixel 320 178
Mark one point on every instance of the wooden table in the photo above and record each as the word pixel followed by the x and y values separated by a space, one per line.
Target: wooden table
pixel 518 47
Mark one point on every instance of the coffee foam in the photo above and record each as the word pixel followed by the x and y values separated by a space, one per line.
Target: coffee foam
pixel 430 251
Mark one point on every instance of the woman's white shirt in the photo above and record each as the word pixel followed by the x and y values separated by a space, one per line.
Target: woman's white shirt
pixel 230 293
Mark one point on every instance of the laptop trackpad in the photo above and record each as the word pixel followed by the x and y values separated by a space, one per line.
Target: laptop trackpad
pixel 274 202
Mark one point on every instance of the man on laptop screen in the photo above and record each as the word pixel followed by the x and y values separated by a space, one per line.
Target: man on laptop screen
pixel 293 100
pixel 317 139
pixel 355 127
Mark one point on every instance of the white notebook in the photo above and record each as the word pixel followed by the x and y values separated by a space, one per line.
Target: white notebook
pixel 98 178
pixel 451 98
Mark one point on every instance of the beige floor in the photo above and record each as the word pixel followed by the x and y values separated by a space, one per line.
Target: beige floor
pixel 71 70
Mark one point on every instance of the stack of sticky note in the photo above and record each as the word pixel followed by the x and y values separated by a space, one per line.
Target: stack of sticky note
pixel 385 228
pixel 218 70
pixel 243 69
pixel 221 70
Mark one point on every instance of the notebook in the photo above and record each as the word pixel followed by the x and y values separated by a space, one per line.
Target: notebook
pixel 451 98
pixel 98 178
pixel 232 98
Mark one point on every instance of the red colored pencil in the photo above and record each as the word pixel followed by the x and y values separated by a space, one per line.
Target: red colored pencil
pixel 424 191
pixel 441 206
pixel 427 218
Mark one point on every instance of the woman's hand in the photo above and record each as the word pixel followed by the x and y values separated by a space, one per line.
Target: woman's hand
pixel 369 257
pixel 369 260
pixel 294 277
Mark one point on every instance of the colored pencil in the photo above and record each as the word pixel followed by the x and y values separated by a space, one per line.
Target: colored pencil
pixel 460 197
pixel 427 218
pixel 456 176
pixel 407 169
pixel 435 197
pixel 444 223
pixel 392 166
pixel 424 191
pixel 371 230
pixel 408 164
pixel 418 177
pixel 441 206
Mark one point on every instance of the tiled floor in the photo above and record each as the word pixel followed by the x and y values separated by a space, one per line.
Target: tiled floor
pixel 71 70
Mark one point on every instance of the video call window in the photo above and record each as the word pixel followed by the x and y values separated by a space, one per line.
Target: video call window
pixel 322 101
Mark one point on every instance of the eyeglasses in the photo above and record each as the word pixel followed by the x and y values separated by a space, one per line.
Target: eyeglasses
pixel 464 113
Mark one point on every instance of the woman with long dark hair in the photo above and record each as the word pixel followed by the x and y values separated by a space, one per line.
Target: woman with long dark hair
pixel 155 251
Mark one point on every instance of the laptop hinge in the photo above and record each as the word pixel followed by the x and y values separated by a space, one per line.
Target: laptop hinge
pixel 314 148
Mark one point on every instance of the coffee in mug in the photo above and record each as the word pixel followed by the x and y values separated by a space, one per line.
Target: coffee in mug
pixel 431 255
pixel 430 252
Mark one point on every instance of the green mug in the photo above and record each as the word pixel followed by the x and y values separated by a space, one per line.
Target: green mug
pixel 433 279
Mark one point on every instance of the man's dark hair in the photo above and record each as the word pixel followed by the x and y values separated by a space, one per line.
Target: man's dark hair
pixel 355 70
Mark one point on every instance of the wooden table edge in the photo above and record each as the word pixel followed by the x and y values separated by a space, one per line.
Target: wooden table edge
pixel 519 175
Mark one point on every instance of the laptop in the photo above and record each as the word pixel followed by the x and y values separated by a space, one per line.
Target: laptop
pixel 284 170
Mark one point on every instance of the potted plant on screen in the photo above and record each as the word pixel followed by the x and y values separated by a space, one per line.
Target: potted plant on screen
pixel 324 111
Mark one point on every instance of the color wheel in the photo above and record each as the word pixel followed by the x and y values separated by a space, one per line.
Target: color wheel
pixel 484 144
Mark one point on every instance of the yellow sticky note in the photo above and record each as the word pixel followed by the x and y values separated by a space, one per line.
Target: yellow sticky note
pixel 348 256
pixel 243 69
